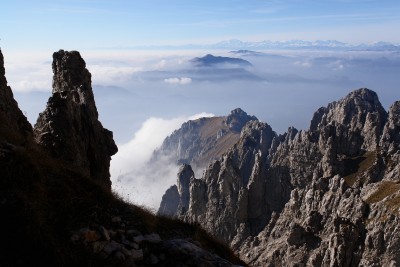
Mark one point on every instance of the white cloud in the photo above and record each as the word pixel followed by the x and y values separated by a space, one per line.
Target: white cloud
pixel 30 75
pixel 176 80
pixel 338 65
pixel 132 175
pixel 31 85
pixel 112 75
pixel 161 64
pixel 305 64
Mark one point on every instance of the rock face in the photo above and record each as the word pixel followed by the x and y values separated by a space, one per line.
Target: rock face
pixel 328 196
pixel 176 199
pixel 200 141
pixel 69 127
pixel 13 124
pixel 170 202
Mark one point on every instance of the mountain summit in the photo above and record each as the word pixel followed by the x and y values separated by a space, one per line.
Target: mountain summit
pixel 218 61
pixel 200 141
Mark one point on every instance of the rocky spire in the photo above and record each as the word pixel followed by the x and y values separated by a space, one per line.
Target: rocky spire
pixel 391 135
pixel 176 199
pixel 169 202
pixel 69 127
pixel 185 175
pixel 13 124
pixel 359 118
pixel 238 118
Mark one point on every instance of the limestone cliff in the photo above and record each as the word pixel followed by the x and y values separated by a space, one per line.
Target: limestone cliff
pixel 328 196
pixel 69 127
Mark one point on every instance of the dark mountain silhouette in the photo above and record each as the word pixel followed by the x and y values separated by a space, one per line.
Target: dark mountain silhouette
pixel 56 204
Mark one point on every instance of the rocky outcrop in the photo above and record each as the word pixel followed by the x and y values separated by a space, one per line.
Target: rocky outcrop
pixel 200 141
pixel 175 201
pixel 359 119
pixel 328 196
pixel 14 127
pixel 391 133
pixel 185 175
pixel 69 127
pixel 131 247
pixel 170 202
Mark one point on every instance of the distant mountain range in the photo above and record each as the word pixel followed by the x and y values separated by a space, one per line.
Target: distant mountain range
pixel 301 44
pixel 235 44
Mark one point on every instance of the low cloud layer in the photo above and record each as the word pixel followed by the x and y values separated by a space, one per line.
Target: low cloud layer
pixel 182 80
pixel 131 86
pixel 132 176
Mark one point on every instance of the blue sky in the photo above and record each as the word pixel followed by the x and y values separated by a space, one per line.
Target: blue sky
pixel 88 24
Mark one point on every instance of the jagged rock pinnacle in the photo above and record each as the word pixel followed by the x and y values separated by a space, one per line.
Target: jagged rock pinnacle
pixel 359 116
pixel 238 118
pixel 391 134
pixel 69 127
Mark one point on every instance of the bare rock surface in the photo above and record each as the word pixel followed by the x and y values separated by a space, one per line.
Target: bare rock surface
pixel 200 141
pixel 170 202
pixel 329 196
pixel 144 249
pixel 69 127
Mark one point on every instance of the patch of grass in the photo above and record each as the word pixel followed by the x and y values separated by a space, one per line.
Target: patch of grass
pixel 385 189
pixel 394 205
pixel 211 127
pixel 354 167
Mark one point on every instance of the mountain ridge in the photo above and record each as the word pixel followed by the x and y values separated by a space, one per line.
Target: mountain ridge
pixel 318 197
pixel 200 141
